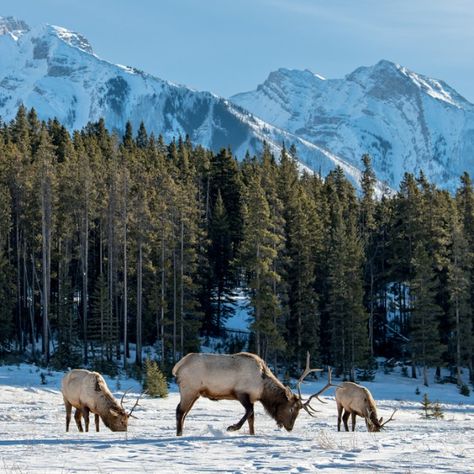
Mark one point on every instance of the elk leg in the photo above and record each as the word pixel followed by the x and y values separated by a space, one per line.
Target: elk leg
pixel 96 419
pixel 353 419
pixel 68 414
pixel 345 418
pixel 77 417
pixel 181 411
pixel 339 416
pixel 244 399
pixel 251 423
pixel 85 414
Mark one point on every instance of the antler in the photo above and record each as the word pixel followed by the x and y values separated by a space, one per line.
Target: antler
pixel 306 372
pixel 328 385
pixel 390 419
pixel 136 403
pixel 123 396
pixel 307 407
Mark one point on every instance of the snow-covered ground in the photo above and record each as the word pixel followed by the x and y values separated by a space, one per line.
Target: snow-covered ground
pixel 33 438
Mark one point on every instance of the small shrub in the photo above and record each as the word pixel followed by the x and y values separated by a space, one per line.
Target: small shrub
pixel 366 375
pixel 66 357
pixel 405 371
pixel 417 391
pixel 437 411
pixel 44 381
pixel 155 382
pixel 464 390
pixel 431 410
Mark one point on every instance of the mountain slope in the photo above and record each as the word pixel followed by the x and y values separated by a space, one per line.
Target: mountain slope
pixel 56 72
pixel 406 121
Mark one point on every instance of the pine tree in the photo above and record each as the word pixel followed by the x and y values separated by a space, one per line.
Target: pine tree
pixel 258 256
pixel 424 334
pixel 154 382
pixel 459 289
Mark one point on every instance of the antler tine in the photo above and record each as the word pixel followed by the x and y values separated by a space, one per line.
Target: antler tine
pixel 390 419
pixel 306 372
pixel 136 403
pixel 123 396
pixel 310 410
pixel 328 385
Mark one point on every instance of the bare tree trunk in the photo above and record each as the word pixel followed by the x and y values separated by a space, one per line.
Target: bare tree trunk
pixel 371 317
pixel 18 280
pixel 125 277
pixel 46 251
pixel 85 273
pixel 181 296
pixel 174 306
pixel 257 305
pixel 31 308
pixel 138 358
pixel 458 343
pixel 111 271
pixel 162 305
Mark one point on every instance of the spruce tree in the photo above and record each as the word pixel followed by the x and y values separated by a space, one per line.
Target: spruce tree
pixel 424 333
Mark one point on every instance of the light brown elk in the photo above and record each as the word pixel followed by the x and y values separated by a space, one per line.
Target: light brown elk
pixel 88 393
pixel 244 377
pixel 354 400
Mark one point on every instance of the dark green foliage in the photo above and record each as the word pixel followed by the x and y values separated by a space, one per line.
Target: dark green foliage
pixel 431 410
pixel 154 381
pixel 365 375
pixel 464 390
pixel 110 245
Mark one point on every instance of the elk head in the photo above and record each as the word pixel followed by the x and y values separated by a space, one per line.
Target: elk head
pixel 375 425
pixel 118 419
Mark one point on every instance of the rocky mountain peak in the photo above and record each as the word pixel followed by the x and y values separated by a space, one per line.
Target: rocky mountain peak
pixel 13 26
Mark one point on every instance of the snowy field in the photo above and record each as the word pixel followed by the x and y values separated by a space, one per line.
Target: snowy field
pixel 33 438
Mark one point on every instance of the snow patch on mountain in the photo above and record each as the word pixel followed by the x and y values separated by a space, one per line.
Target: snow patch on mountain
pixel 55 71
pixel 404 120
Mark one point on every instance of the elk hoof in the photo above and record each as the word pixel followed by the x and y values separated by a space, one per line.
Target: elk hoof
pixel 232 428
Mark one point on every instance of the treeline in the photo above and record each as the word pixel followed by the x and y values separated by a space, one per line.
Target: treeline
pixel 112 243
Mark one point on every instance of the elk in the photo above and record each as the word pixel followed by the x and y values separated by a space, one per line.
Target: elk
pixel 243 377
pixel 87 392
pixel 353 399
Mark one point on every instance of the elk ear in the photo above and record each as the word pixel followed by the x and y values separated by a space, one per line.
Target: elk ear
pixel 114 412
pixel 289 393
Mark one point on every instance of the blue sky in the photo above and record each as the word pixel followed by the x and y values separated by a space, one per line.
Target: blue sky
pixel 230 46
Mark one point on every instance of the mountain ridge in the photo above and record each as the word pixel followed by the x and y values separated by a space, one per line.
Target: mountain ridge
pixel 56 71
pixel 379 109
pixel 406 121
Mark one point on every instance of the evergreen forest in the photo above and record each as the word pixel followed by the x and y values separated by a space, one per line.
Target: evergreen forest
pixel 111 245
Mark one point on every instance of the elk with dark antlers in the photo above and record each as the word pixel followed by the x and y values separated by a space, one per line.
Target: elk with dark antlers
pixel 354 400
pixel 244 377
pixel 88 393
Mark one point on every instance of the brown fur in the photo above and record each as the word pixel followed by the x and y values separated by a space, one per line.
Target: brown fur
pixel 244 377
pixel 88 393
pixel 355 400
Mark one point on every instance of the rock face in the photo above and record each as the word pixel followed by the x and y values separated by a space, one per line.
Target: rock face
pixel 56 71
pixel 404 120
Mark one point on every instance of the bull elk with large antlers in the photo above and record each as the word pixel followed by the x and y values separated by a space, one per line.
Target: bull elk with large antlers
pixel 244 377
pixel 354 400
pixel 88 393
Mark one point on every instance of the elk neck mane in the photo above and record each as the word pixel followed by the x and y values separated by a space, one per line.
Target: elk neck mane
pixel 372 407
pixel 274 393
pixel 105 400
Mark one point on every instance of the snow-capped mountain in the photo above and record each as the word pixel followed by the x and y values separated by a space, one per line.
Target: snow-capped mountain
pixel 404 120
pixel 56 71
